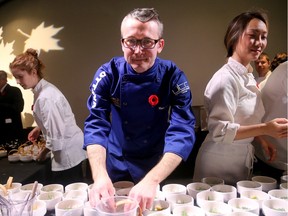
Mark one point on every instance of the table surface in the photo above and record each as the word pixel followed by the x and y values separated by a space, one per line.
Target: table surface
pixel 23 172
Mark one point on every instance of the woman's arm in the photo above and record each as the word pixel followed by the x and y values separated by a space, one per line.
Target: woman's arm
pixel 276 128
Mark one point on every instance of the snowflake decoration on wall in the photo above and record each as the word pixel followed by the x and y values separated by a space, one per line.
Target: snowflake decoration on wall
pixel 41 38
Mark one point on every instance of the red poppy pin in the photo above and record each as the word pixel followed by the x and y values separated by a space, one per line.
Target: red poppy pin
pixel 153 100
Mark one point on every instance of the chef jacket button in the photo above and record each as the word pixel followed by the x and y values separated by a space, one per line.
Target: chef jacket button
pixel 125 103
pixel 124 78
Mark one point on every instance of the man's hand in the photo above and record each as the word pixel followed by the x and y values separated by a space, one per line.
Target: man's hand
pixel 144 193
pixel 102 188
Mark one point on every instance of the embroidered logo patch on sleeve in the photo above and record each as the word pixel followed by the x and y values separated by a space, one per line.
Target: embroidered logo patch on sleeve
pixel 181 88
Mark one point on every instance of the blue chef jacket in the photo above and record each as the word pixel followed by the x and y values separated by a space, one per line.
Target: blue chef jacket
pixel 134 131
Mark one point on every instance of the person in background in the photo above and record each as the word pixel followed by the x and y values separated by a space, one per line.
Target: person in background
pixel 275 98
pixel 278 59
pixel 151 129
pixel 234 106
pixel 54 118
pixel 262 66
pixel 11 106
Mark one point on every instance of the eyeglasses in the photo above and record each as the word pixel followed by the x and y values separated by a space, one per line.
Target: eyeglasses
pixel 145 43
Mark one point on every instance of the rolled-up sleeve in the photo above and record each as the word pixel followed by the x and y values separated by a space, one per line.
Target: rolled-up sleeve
pixel 221 98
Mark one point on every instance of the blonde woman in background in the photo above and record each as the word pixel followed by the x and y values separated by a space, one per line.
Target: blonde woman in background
pixel 54 118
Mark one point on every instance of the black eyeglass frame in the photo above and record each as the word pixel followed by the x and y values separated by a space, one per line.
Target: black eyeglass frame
pixel 140 42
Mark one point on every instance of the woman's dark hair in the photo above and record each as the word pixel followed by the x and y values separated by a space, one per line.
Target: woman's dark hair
pixel 237 26
pixel 278 59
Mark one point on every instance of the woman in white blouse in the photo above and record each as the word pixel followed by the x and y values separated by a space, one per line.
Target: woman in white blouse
pixel 54 118
pixel 234 107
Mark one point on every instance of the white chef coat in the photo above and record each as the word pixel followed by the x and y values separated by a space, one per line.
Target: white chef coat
pixel 54 116
pixel 231 99
pixel 275 97
pixel 261 81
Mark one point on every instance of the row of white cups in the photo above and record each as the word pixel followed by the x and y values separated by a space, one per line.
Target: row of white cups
pixel 210 197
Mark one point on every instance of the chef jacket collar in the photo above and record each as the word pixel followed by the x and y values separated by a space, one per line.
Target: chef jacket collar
pixel 241 69
pixel 151 72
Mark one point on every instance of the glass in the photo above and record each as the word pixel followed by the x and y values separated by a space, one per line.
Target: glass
pixel 118 206
pixel 17 208
pixel 145 43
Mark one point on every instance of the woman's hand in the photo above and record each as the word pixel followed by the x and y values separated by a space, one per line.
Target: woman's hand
pixel 268 147
pixel 34 134
pixel 277 128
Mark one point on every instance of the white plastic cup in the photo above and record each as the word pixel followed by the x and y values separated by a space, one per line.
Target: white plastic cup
pixel 117 206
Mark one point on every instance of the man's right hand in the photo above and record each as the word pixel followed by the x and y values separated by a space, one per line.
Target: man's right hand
pixel 102 188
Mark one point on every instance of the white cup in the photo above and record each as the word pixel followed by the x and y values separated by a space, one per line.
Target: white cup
pixel 216 208
pixel 212 180
pixel 244 205
pixel 76 194
pixel 227 191
pixel 208 196
pixel 69 207
pixel 284 178
pixel 284 186
pixel 278 194
pixel 196 187
pixel 15 187
pixel 169 189
pixel 50 198
pixel 268 183
pixel 257 195
pixel 52 187
pixel 179 200
pixel 158 206
pixel 123 185
pixel 76 186
pixel 39 208
pixel 248 185
pixel 275 207
pixel 28 187
pixel 188 210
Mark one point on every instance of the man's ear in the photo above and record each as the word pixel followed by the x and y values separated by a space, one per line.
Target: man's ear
pixel 161 44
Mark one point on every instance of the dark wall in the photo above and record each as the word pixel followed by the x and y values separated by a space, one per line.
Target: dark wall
pixel 193 32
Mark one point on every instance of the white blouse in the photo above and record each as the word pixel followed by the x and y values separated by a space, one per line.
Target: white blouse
pixel 54 116
pixel 231 99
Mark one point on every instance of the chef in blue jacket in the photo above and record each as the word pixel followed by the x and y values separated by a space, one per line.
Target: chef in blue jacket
pixel 141 125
